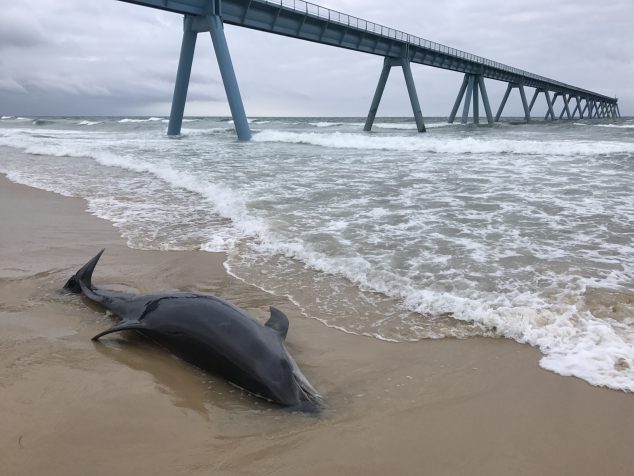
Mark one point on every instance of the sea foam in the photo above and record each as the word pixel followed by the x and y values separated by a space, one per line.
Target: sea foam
pixel 445 145
pixel 457 209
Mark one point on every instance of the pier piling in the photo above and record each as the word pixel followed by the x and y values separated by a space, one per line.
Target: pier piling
pixel 311 22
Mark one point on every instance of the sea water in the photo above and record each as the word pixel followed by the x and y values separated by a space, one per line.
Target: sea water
pixel 516 231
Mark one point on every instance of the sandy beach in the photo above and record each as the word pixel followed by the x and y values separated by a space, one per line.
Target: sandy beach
pixel 69 406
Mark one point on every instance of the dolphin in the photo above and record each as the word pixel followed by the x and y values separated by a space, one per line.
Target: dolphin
pixel 212 334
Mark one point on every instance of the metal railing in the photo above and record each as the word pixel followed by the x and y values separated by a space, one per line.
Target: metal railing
pixel 333 16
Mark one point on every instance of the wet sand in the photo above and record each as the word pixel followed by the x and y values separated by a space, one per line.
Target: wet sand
pixel 69 406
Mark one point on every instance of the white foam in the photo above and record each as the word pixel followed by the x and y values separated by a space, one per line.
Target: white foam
pixel 89 123
pixel 203 132
pixel 250 121
pixel 573 341
pixel 411 126
pixel 467 145
pixel 150 119
pixel 166 121
pixel 404 126
pixel 326 124
pixel 617 126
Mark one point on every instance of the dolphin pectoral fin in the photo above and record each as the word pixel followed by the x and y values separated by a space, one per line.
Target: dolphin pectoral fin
pixel 278 322
pixel 125 326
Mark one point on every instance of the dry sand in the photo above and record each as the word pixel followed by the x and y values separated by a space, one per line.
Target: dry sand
pixel 69 406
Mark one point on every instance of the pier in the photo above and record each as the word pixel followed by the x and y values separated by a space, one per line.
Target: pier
pixel 311 22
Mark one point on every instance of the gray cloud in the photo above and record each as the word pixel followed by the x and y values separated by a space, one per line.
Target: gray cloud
pixel 77 57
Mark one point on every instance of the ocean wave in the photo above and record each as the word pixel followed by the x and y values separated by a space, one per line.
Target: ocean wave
pixel 572 339
pixel 166 121
pixel 250 121
pixel 411 126
pixel 89 123
pixel 445 145
pixel 203 132
pixel 42 122
pixel 406 126
pixel 150 119
pixel 326 124
pixel 616 126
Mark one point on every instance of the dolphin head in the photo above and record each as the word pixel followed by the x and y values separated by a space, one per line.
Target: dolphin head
pixel 309 400
pixel 286 384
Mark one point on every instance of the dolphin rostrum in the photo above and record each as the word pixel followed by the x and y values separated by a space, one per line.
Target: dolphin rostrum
pixel 212 334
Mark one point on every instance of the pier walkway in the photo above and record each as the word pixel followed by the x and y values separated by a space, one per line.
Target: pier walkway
pixel 311 22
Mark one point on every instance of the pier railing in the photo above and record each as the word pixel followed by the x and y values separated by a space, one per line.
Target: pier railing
pixel 334 16
pixel 311 22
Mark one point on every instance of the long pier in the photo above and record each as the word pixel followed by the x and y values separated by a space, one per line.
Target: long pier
pixel 311 22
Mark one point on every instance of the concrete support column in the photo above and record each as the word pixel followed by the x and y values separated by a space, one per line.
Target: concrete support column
pixel 577 108
pixel 411 90
pixel 216 29
pixel 463 88
pixel 376 100
pixel 471 89
pixel 183 74
pixel 550 112
pixel 555 96
pixel 527 113
pixel 535 94
pixel 566 108
pixel 585 108
pixel 467 100
pixel 485 100
pixel 413 96
pixel 503 103
pixel 476 101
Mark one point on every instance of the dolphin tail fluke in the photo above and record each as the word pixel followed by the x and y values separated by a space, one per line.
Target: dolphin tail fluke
pixel 82 279
pixel 124 326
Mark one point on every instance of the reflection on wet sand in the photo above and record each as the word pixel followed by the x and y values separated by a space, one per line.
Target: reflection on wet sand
pixel 187 386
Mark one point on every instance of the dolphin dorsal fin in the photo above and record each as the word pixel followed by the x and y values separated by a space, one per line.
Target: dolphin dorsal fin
pixel 278 322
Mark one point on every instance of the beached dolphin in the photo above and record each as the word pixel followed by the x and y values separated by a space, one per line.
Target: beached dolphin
pixel 212 334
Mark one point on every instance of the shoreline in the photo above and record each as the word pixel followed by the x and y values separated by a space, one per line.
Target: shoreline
pixel 478 405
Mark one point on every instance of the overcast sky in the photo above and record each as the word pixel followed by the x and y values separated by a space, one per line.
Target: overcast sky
pixel 74 57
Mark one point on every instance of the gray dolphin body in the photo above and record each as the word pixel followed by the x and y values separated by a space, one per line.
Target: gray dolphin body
pixel 212 334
